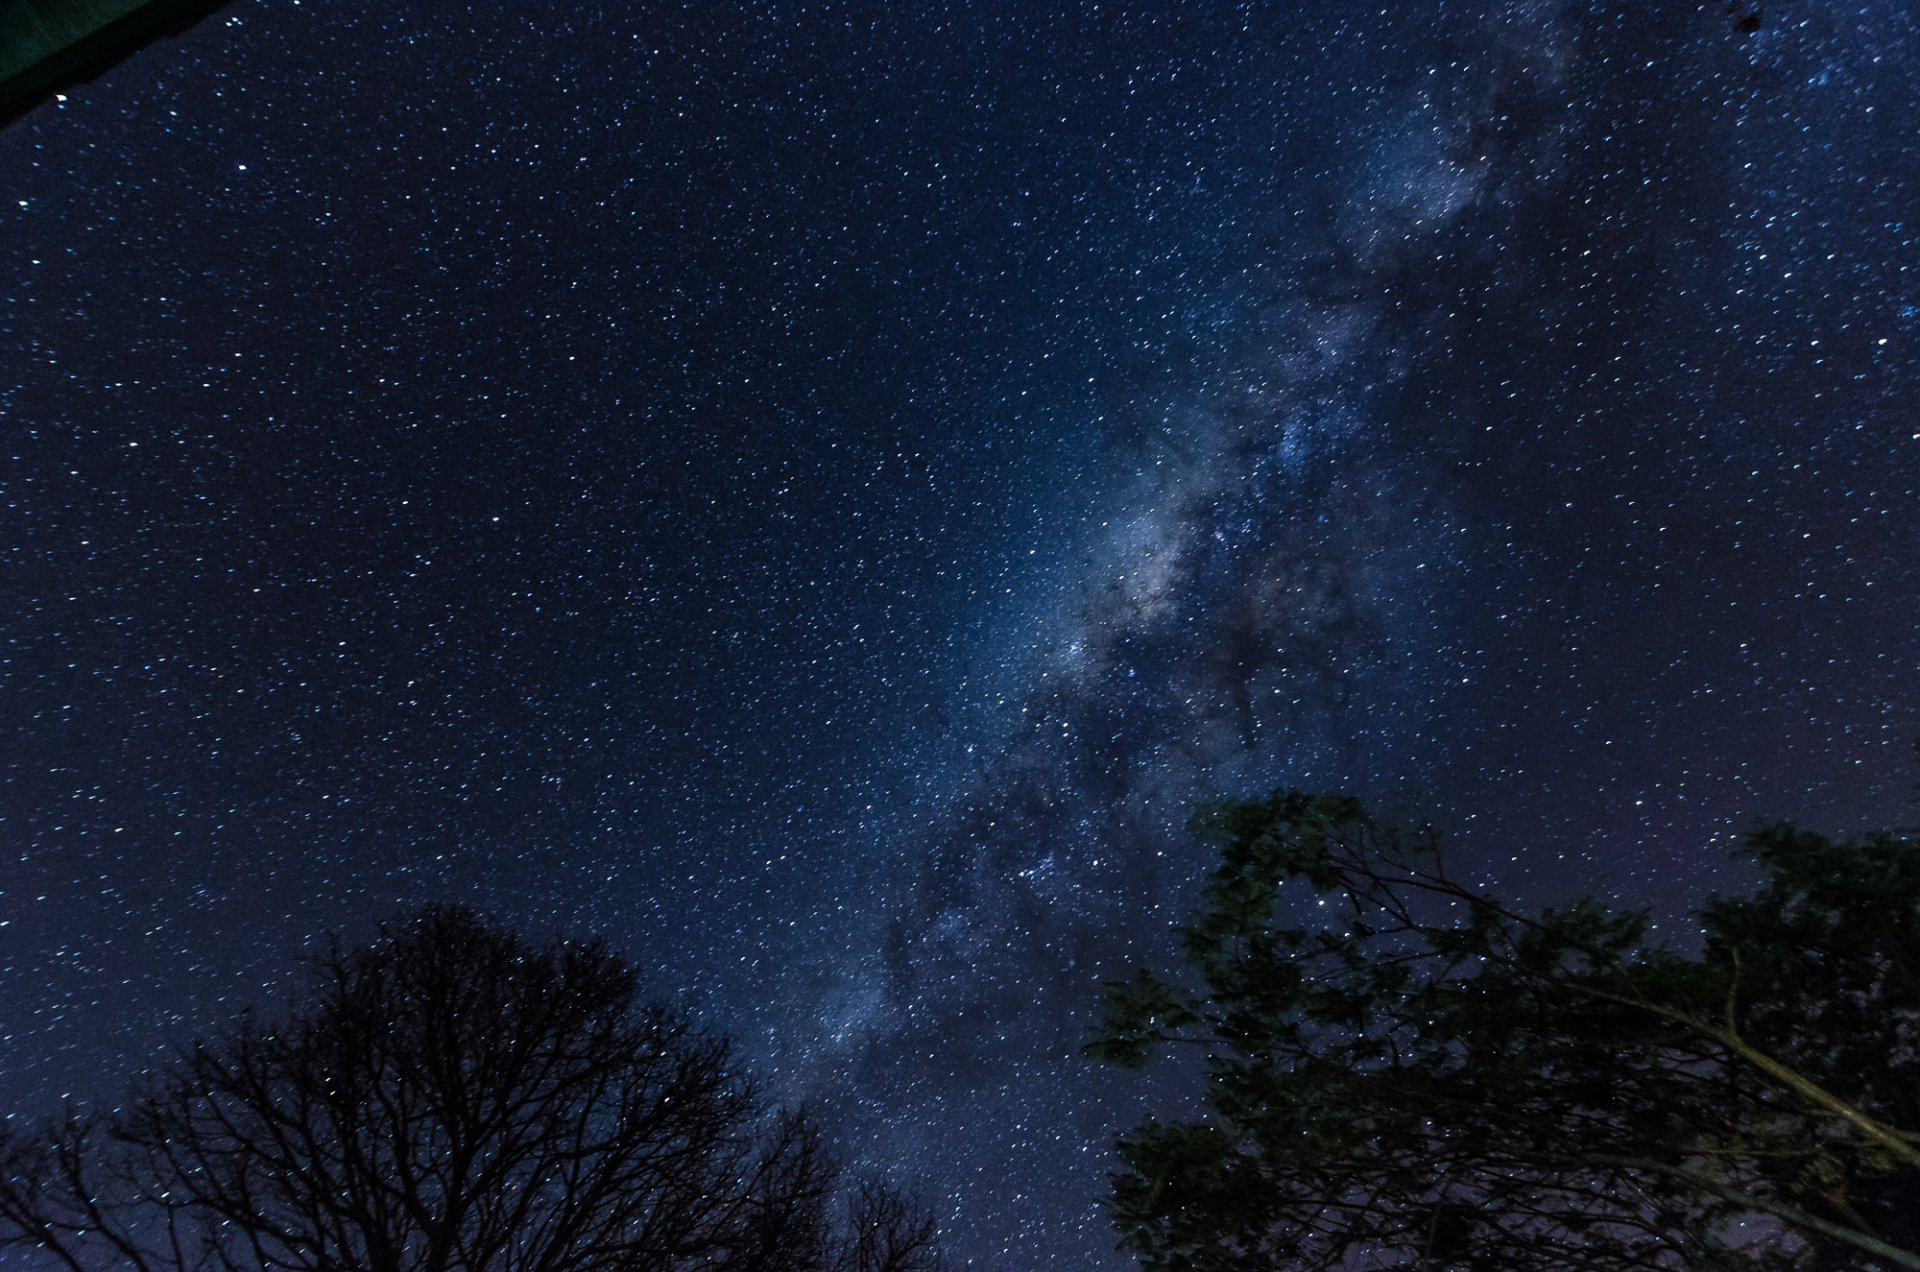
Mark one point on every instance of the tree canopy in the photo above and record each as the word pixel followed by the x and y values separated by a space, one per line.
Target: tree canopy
pixel 452 1098
pixel 1403 1072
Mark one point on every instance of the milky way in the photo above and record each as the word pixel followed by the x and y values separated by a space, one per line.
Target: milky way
pixel 817 495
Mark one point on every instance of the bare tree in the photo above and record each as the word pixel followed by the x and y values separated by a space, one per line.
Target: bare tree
pixel 453 1099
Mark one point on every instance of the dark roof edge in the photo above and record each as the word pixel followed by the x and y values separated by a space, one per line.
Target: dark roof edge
pixel 95 54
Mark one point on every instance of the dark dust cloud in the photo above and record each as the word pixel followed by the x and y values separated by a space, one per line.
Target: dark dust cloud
pixel 815 493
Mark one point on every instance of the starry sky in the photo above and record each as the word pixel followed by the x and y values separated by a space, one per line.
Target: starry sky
pixel 815 493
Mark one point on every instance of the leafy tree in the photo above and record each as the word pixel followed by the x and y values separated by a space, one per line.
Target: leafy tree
pixel 1403 1072
pixel 452 1099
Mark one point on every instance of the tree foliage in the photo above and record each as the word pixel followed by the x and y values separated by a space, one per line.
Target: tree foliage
pixel 1403 1072
pixel 452 1099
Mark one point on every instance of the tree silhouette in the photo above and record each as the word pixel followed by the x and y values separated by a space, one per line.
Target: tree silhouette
pixel 453 1099
pixel 1402 1072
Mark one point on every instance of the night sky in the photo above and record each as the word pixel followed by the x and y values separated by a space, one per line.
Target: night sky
pixel 815 494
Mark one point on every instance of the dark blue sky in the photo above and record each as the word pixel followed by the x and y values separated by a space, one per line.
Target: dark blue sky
pixel 815 493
